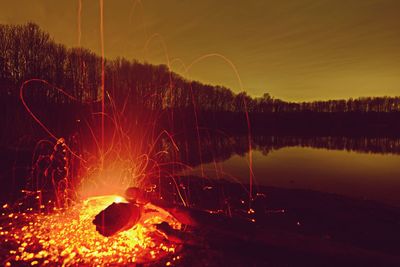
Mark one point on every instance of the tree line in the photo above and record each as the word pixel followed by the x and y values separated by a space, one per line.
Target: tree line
pixel 27 52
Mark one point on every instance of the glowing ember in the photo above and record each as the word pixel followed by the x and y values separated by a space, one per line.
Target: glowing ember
pixel 68 237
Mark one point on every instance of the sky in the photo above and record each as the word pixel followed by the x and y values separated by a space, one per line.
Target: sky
pixel 294 50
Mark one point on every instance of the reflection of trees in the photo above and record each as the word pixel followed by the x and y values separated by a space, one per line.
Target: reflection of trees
pixel 382 145
pixel 219 147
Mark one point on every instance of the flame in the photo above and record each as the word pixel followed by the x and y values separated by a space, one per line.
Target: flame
pixel 68 237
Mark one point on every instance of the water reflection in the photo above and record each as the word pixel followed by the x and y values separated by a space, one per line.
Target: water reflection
pixel 364 168
pixel 216 148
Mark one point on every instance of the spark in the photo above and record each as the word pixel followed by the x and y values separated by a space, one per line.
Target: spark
pixel 101 3
pixel 68 237
pixel 79 22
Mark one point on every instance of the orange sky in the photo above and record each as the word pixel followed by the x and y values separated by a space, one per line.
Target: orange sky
pixel 295 50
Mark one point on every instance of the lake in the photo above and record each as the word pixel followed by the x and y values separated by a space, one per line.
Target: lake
pixel 362 175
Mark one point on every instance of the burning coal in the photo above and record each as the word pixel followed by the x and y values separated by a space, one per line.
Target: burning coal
pixel 69 237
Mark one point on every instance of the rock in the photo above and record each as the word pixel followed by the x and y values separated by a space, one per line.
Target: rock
pixel 117 217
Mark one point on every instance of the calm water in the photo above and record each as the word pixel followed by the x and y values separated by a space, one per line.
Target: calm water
pixel 360 175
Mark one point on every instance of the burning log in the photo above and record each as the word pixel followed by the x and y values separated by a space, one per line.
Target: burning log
pixel 123 216
pixel 119 217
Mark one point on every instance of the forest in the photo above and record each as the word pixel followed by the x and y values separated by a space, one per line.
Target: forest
pixel 27 52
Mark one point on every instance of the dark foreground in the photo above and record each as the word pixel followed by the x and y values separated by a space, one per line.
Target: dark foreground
pixel 280 227
pixel 285 228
